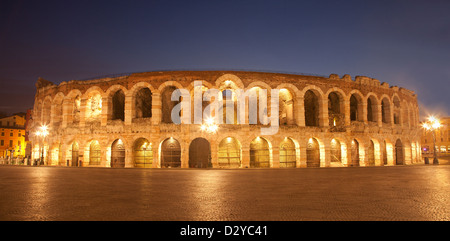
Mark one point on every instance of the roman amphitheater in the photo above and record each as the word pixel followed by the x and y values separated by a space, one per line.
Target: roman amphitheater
pixel 324 121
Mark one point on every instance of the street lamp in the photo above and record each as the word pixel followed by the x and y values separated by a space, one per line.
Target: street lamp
pixel 432 125
pixel 42 133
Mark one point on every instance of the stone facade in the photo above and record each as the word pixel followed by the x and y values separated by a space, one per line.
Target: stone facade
pixel 324 122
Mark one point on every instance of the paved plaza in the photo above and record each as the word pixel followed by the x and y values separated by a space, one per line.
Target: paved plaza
pixel 419 192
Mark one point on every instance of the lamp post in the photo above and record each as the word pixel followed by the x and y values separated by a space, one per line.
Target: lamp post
pixel 432 124
pixel 42 133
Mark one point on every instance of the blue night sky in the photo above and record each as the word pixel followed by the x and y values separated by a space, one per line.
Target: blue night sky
pixel 404 43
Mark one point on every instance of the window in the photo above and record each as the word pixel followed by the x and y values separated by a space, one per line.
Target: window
pixel 20 134
pixel 2 143
pixel 11 133
pixel 3 133
pixel 10 143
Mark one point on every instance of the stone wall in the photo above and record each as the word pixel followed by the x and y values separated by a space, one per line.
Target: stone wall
pixel 83 111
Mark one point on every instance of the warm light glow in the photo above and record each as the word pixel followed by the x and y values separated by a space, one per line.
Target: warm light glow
pixel 433 123
pixel 43 131
pixel 209 126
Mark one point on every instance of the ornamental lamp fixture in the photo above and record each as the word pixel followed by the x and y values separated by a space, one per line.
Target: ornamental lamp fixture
pixel 433 124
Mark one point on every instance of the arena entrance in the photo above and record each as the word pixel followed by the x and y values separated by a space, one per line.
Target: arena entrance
pixel 75 155
pixel 229 153
pixel 143 154
pixel 170 153
pixel 259 153
pixel 313 153
pixel 199 154
pixel 355 153
pixel 336 152
pixel 287 153
pixel 117 154
pixel 95 154
pixel 399 158
pixel 371 153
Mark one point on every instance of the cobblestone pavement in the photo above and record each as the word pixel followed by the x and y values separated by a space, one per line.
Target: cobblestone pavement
pixel 370 193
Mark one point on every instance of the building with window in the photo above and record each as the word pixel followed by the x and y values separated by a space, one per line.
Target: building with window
pixel 324 121
pixel 12 136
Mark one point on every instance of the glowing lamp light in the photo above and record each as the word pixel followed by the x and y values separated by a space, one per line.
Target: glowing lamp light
pixel 209 126
pixel 43 131
pixel 432 125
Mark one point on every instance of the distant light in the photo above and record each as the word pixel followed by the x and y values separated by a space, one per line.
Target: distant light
pixel 433 123
pixel 209 126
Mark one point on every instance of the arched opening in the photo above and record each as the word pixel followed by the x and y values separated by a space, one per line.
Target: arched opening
pixel 313 153
pixel 286 107
pixel 200 153
pixel 202 101
pixel 170 153
pixel 142 153
pixel 94 153
pixel 335 110
pixel 371 153
pixel 355 108
pixel 168 104
pixel 56 155
pixel 229 153
pixel 259 153
pixel 355 153
pixel 385 158
pixel 412 122
pixel 311 101
pixel 94 107
pixel 385 111
pixel 399 155
pixel 46 115
pixel 287 153
pixel 397 111
pixel 57 110
pixel 372 109
pixel 143 103
pixel 76 109
pixel 117 154
pixel 37 114
pixel 254 106
pixel 118 106
pixel 229 107
pixel 336 152
pixel 75 152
